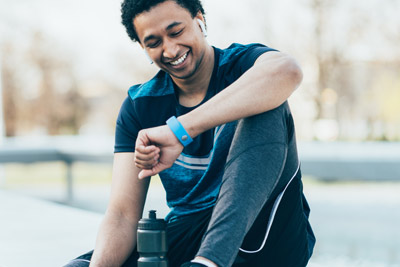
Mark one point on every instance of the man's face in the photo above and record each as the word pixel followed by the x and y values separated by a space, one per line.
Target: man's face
pixel 172 38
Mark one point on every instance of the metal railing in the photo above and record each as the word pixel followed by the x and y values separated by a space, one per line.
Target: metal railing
pixel 374 161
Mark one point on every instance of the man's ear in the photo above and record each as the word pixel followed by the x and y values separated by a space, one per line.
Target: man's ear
pixel 201 21
pixel 203 27
pixel 200 16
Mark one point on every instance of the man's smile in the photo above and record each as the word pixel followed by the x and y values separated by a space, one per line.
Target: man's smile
pixel 179 60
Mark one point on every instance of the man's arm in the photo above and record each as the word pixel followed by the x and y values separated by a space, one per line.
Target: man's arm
pixel 265 86
pixel 117 235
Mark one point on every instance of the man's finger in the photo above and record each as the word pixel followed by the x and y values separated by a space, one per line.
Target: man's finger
pixel 146 157
pixel 146 164
pixel 146 149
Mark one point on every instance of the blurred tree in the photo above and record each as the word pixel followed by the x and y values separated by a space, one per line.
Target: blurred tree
pixel 327 56
pixel 58 107
pixel 40 89
pixel 10 91
pixel 350 49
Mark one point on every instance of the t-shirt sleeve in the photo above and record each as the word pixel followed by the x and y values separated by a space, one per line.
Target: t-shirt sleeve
pixel 246 61
pixel 237 60
pixel 127 128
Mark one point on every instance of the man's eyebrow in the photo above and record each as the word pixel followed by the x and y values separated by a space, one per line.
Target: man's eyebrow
pixel 173 24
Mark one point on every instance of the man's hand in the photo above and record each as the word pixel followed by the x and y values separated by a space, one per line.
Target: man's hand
pixel 156 150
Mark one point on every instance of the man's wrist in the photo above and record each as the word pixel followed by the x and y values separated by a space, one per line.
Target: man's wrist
pixel 179 131
pixel 194 123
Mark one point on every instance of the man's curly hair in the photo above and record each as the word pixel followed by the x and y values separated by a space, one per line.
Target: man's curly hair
pixel 131 8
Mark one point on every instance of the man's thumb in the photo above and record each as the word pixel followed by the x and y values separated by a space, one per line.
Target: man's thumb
pixel 145 173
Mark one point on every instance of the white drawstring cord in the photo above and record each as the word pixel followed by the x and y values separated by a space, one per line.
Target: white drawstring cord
pixel 272 215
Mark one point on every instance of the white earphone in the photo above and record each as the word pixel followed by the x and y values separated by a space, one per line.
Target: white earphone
pixel 203 27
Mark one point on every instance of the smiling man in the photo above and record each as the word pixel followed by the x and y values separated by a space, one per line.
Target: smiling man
pixel 215 125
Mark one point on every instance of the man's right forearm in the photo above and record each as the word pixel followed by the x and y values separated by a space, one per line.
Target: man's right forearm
pixel 115 241
pixel 117 235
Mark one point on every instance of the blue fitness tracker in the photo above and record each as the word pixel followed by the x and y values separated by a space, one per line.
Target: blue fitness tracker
pixel 180 132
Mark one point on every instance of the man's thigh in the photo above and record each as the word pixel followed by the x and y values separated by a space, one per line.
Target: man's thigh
pixel 84 260
pixel 185 236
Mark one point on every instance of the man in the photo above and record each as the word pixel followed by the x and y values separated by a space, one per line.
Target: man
pixel 228 162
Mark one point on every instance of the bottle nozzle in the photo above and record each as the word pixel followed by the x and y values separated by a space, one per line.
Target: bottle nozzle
pixel 152 214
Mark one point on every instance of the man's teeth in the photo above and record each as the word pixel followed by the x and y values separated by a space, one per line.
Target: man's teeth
pixel 179 60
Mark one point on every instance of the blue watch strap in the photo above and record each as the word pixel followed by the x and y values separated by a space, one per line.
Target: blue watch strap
pixel 180 132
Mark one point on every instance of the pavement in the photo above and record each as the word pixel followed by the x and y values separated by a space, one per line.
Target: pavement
pixel 35 232
pixel 356 224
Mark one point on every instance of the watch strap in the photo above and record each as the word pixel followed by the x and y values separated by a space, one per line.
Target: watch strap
pixel 180 132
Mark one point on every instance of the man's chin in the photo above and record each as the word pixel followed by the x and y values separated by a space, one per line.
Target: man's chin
pixel 180 75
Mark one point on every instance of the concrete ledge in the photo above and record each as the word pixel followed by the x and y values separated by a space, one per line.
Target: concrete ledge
pixel 40 233
pixel 364 161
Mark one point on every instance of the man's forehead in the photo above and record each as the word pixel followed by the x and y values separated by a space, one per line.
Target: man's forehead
pixel 163 16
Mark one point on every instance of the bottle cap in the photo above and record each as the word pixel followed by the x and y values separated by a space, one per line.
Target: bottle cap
pixel 151 223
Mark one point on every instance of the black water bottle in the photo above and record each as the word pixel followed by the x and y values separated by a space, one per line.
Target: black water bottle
pixel 152 242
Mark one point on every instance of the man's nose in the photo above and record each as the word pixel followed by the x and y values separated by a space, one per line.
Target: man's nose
pixel 170 49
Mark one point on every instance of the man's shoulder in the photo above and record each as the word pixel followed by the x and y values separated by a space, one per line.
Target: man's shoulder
pixel 236 50
pixel 238 46
pixel 159 85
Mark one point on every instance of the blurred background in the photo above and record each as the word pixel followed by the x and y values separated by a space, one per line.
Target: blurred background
pixel 66 67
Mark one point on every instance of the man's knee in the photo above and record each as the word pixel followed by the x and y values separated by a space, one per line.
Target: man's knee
pixel 81 261
pixel 270 126
pixel 78 263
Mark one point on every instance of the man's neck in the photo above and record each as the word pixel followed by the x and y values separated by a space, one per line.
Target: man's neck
pixel 193 90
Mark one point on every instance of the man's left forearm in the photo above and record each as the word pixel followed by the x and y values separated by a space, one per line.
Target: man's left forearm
pixel 263 87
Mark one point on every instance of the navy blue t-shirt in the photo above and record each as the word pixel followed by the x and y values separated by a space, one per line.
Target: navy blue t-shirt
pixel 192 183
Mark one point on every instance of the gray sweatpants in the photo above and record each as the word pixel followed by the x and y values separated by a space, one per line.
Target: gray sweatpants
pixel 261 161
